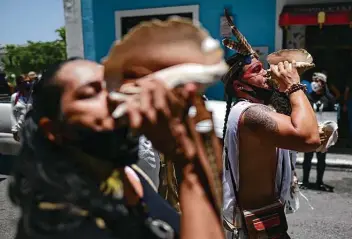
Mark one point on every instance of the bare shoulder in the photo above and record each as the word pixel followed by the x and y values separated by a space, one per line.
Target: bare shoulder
pixel 259 117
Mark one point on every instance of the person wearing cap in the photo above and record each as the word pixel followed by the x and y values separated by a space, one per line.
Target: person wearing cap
pixel 320 98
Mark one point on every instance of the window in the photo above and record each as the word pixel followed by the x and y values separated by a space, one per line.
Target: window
pixel 125 20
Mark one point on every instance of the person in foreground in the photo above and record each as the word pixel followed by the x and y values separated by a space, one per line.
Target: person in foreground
pixel 74 177
pixel 257 170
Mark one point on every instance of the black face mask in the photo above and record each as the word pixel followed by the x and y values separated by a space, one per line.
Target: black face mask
pixel 117 146
pixel 259 93
pixel 26 85
pixel 273 97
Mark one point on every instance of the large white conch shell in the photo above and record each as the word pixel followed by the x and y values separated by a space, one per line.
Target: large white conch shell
pixel 304 60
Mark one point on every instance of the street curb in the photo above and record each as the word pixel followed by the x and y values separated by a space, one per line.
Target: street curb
pixel 335 163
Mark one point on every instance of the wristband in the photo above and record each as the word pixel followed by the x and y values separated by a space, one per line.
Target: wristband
pixel 295 87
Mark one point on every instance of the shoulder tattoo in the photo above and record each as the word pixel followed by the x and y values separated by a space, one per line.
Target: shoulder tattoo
pixel 258 116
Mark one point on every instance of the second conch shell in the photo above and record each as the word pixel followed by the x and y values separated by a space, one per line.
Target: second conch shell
pixel 175 51
pixel 156 45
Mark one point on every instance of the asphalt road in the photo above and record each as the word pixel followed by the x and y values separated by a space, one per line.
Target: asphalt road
pixel 332 214
pixel 8 213
pixel 331 217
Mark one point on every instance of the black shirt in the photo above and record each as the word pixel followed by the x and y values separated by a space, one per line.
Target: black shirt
pixel 157 207
pixel 327 99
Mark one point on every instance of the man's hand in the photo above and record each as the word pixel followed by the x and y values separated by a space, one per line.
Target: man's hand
pixel 286 74
pixel 158 112
pixel 323 136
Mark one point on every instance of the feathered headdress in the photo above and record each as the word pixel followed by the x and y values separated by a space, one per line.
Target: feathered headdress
pixel 245 53
pixel 241 45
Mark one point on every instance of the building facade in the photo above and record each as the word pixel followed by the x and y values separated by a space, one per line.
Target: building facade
pixel 92 26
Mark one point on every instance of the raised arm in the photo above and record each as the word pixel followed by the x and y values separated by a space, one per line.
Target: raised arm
pixel 299 131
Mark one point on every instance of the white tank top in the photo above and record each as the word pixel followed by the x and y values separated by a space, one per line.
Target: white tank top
pixel 231 142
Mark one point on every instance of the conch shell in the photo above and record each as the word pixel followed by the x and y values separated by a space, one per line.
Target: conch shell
pixel 156 45
pixel 304 60
pixel 328 135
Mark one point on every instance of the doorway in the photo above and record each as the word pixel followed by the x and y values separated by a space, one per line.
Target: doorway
pixel 331 48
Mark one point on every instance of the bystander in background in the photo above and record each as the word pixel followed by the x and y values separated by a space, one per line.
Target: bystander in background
pixel 321 99
pixel 20 102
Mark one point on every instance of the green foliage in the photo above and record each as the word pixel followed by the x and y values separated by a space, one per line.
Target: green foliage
pixel 34 56
pixel 62 33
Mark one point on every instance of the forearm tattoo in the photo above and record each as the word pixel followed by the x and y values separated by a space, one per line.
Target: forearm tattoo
pixel 258 116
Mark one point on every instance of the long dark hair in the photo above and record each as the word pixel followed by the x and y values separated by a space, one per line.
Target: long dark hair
pixel 235 63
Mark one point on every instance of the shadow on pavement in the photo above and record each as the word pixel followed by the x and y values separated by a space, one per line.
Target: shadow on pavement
pixel 343 186
pixel 315 187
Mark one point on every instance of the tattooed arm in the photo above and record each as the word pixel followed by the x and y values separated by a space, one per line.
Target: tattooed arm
pixel 296 132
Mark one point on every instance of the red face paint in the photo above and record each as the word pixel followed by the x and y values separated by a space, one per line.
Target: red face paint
pixel 253 70
pixel 255 75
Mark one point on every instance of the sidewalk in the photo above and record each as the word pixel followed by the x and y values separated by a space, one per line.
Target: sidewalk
pixel 332 160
